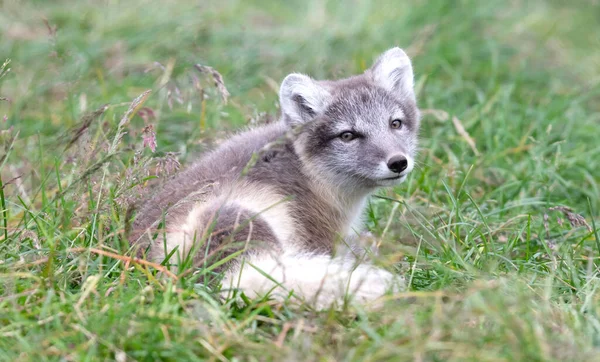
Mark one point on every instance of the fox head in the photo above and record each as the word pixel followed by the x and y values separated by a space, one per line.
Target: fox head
pixel 358 132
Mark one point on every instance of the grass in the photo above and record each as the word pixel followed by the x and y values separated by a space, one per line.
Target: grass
pixel 495 273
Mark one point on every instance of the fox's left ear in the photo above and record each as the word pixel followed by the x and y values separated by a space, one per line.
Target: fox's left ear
pixel 393 71
pixel 302 99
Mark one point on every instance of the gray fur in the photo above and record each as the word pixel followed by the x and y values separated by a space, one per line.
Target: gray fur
pixel 231 230
pixel 323 179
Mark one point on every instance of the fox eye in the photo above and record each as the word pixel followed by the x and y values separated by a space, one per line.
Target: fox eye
pixel 396 124
pixel 347 136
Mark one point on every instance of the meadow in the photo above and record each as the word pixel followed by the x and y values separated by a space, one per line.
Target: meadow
pixel 497 230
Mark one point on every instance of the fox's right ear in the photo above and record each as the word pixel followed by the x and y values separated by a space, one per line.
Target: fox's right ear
pixel 301 99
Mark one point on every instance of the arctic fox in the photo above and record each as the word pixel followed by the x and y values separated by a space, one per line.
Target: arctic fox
pixel 269 206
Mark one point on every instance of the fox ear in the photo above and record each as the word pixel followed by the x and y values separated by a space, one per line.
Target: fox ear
pixel 301 99
pixel 393 71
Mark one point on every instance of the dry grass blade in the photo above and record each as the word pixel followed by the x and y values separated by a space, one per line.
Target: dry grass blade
pixel 217 78
pixel 9 144
pixel 439 114
pixel 12 180
pixel 135 105
pixel 167 164
pixel 281 337
pixel 50 28
pixel 443 116
pixel 574 219
pixel 418 45
pixel 126 259
pixel 86 121
pixel 464 134
pixel 3 68
pixel 87 173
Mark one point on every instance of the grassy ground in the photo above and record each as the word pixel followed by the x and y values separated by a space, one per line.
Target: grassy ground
pixel 497 273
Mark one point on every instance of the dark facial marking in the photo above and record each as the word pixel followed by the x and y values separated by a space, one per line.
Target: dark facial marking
pixel 307 112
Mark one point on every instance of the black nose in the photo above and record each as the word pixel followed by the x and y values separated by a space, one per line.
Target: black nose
pixel 397 164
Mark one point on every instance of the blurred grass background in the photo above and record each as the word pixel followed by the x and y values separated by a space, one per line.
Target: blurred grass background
pixel 496 273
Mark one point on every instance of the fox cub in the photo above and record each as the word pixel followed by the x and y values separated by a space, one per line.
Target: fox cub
pixel 269 207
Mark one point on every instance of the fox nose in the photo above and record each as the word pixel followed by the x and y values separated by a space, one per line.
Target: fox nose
pixel 397 164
